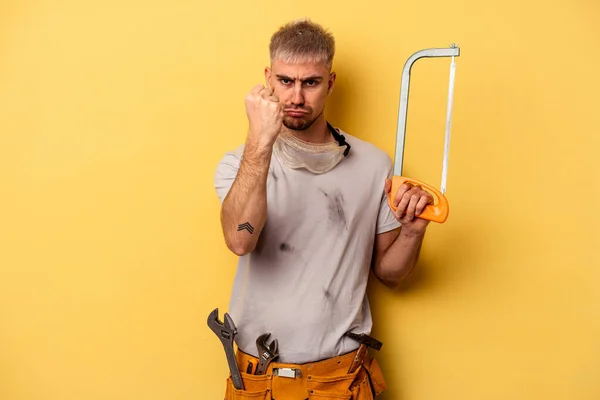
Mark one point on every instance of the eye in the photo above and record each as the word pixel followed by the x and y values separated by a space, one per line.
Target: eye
pixel 285 81
pixel 311 82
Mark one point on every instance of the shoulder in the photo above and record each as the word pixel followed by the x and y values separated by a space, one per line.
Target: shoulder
pixel 235 153
pixel 232 157
pixel 229 164
pixel 366 151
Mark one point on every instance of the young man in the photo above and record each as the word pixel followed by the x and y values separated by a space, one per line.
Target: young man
pixel 305 207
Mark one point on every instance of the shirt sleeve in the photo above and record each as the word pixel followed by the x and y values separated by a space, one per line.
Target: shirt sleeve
pixel 386 221
pixel 225 174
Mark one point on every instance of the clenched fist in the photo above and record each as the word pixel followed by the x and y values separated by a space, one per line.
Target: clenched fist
pixel 265 115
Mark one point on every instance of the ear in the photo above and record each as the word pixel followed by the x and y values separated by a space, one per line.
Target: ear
pixel 331 82
pixel 268 77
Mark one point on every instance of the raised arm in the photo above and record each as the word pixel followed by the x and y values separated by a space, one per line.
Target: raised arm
pixel 244 209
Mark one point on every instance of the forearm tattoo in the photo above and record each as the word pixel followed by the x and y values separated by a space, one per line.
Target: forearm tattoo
pixel 247 227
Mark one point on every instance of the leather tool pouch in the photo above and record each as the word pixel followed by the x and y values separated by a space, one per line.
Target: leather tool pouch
pixel 257 387
pixel 332 387
pixel 370 381
pixel 364 384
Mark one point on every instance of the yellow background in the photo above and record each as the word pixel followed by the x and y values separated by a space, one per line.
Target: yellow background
pixel 114 114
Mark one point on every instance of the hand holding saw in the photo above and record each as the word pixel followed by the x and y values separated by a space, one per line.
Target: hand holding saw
pixel 437 212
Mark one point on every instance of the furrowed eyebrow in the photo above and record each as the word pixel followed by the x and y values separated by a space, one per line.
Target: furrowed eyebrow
pixel 310 78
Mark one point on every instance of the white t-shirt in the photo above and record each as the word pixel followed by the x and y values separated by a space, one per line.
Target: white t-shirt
pixel 306 280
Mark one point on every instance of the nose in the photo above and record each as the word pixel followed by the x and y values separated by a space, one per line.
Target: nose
pixel 298 95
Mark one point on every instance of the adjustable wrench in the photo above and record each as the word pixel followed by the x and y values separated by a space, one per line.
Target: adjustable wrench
pixel 266 353
pixel 226 332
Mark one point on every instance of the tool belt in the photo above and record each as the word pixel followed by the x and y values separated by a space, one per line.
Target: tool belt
pixel 321 380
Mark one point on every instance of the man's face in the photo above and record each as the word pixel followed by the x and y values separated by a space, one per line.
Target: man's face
pixel 302 88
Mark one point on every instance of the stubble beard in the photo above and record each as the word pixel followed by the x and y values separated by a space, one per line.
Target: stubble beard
pixel 299 124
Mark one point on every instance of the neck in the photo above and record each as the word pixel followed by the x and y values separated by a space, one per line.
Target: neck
pixel 317 133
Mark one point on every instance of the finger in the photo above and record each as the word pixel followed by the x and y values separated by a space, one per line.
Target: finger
pixel 429 196
pixel 269 87
pixel 264 93
pixel 268 95
pixel 423 201
pixel 388 186
pixel 412 205
pixel 404 201
pixel 257 89
pixel 268 90
pixel 405 187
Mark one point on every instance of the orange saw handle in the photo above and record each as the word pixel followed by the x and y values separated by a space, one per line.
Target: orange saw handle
pixel 436 212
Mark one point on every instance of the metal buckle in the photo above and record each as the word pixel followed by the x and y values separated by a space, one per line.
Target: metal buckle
pixel 287 372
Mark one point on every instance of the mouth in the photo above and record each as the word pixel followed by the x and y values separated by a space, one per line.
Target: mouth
pixel 295 113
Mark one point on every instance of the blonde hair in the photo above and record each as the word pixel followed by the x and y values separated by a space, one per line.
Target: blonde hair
pixel 302 41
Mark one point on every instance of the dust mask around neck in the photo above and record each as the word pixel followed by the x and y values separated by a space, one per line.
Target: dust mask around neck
pixel 317 158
